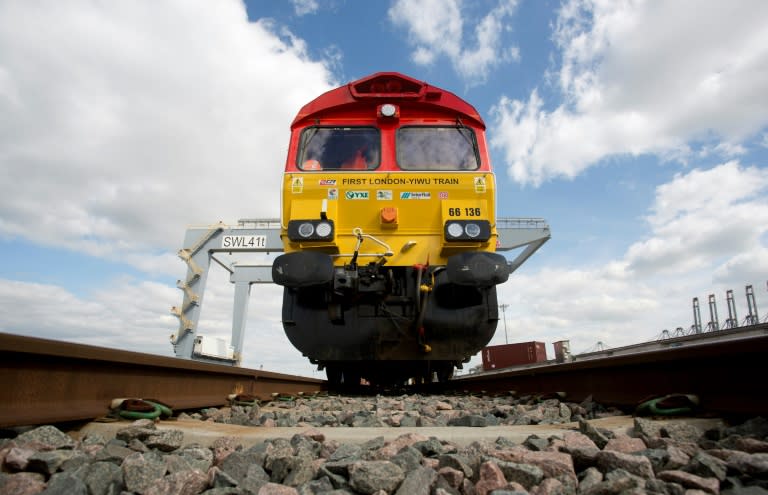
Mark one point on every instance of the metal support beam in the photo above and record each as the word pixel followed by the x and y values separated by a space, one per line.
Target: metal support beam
pixel 200 244
pixel 243 276
pixel 518 232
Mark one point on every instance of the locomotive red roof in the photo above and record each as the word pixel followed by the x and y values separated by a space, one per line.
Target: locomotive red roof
pixel 383 87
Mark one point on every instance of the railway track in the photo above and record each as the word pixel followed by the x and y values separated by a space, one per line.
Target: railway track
pixel 727 376
pixel 47 381
pixel 50 382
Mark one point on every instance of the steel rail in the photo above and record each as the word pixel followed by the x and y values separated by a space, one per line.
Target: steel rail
pixel 727 376
pixel 47 381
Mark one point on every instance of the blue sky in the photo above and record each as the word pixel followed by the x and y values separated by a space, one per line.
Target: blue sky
pixel 638 130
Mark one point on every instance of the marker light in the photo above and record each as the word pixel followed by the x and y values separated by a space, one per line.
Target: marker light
pixel 323 229
pixel 388 110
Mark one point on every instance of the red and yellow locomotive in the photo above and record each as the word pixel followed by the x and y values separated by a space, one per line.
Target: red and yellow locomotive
pixel 388 226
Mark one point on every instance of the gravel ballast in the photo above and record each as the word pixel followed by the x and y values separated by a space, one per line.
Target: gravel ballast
pixel 651 457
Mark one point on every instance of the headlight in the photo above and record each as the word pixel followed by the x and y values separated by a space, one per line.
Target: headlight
pixel 310 230
pixel 472 230
pixel 306 229
pixel 454 229
pixel 468 230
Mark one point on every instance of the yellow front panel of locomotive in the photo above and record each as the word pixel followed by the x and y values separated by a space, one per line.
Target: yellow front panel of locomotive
pixel 405 211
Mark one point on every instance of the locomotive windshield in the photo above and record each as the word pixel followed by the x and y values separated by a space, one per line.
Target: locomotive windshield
pixel 419 148
pixel 339 148
pixel 437 148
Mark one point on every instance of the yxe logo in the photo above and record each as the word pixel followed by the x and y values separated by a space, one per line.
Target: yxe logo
pixel 356 195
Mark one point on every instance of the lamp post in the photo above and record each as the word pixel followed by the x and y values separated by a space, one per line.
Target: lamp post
pixel 504 316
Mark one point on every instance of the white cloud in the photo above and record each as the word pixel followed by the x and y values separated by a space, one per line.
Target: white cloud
pixel 304 7
pixel 703 216
pixel 436 28
pixel 640 78
pixel 723 149
pixel 745 266
pixel 130 316
pixel 123 123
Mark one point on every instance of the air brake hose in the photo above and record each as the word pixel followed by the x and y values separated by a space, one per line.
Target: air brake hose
pixel 359 233
pixel 419 269
pixel 669 405
pixel 165 410
pixel 140 415
pixel 143 409
pixel 244 400
pixel 426 348
pixel 422 308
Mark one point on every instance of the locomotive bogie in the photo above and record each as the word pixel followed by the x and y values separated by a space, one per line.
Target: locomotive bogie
pixel 373 323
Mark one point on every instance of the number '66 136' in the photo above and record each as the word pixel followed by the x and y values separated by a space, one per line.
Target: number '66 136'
pixel 468 212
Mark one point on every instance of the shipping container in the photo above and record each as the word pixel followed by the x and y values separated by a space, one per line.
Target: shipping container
pixel 504 356
pixel 562 351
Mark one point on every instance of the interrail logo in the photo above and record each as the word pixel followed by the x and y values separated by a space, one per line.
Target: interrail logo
pixel 415 195
pixel 356 195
